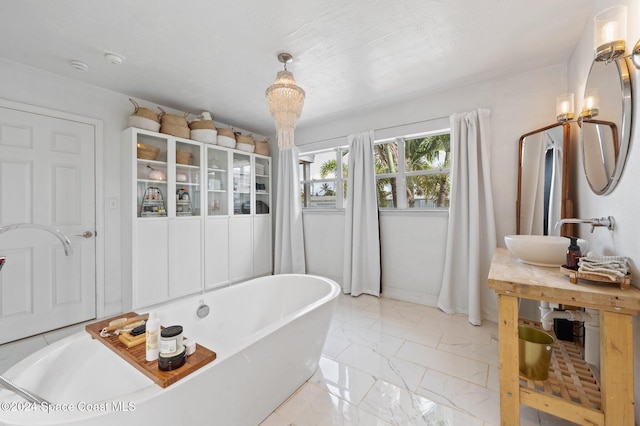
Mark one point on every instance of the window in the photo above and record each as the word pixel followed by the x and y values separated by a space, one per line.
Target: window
pixel 412 172
pixel 321 185
pixel 422 180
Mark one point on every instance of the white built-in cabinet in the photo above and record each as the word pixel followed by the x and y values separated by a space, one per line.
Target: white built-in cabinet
pixel 196 216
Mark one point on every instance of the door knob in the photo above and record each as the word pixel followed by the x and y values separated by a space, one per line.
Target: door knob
pixel 85 234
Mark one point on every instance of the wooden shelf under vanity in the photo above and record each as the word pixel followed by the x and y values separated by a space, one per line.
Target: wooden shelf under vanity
pixel 573 391
pixel 136 355
pixel 570 377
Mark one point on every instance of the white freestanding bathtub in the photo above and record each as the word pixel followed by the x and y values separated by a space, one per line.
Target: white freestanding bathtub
pixel 268 334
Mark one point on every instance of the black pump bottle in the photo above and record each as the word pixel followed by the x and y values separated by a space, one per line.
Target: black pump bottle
pixel 573 254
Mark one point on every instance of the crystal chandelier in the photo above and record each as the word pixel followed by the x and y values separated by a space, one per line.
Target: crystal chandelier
pixel 285 98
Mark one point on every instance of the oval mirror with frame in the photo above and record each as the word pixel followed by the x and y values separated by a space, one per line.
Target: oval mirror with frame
pixel 543 181
pixel 605 124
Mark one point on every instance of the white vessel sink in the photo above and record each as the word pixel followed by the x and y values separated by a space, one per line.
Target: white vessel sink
pixel 541 250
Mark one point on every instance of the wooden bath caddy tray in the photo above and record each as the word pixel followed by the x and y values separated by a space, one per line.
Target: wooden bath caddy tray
pixel 574 276
pixel 136 355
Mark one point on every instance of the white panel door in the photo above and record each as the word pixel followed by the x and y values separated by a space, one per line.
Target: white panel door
pixel 46 177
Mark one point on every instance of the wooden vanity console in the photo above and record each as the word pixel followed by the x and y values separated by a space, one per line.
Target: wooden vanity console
pixel 512 279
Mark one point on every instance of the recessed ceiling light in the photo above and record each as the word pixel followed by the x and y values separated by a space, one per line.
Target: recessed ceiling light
pixel 78 65
pixel 114 58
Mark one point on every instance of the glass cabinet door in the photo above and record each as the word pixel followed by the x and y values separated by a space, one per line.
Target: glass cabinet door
pixel 151 176
pixel 263 185
pixel 217 182
pixel 188 178
pixel 241 184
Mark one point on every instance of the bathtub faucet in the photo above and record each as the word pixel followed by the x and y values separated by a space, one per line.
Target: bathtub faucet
pixel 66 244
pixel 603 221
pixel 28 395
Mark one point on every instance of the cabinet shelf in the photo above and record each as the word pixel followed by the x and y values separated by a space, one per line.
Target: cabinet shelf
pixel 213 171
pixel 152 181
pixel 155 162
pixel 187 166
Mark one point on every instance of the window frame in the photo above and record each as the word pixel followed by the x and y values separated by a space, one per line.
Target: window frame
pixel 402 174
pixel 339 181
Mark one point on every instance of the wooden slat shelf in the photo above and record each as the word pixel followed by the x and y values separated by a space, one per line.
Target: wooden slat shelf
pixel 570 377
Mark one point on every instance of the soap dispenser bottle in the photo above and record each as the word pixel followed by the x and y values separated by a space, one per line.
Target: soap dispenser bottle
pixel 152 333
pixel 573 254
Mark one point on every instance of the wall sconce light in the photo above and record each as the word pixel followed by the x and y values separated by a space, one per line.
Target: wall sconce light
pixel 610 33
pixel 564 107
pixel 591 101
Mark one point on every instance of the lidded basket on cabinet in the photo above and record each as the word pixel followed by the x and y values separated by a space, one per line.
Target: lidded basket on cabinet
pixel 203 129
pixel 143 118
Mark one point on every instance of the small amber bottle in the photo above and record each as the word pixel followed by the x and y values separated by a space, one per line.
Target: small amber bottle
pixel 573 254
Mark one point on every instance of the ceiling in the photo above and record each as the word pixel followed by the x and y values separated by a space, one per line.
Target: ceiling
pixel 220 55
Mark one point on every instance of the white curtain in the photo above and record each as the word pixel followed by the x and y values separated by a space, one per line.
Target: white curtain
pixel 289 241
pixel 471 235
pixel 362 235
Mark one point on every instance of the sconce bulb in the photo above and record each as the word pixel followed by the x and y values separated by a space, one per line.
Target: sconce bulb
pixel 609 32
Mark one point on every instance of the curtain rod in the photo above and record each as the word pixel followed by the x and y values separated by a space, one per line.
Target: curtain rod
pixel 378 130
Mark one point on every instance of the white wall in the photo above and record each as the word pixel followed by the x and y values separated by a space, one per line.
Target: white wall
pixel 623 203
pixel 412 261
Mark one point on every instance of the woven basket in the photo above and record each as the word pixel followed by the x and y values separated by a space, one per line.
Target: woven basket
pixel 226 132
pixel 202 124
pixel 245 143
pixel 179 131
pixel 183 157
pixel 147 152
pixel 204 135
pixel 173 119
pixel 144 112
pixel 143 123
pixel 262 147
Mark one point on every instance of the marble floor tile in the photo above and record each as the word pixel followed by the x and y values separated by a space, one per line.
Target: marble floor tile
pixel 383 343
pixel 343 381
pixel 423 335
pixel 394 370
pixel 444 362
pixel 334 346
pixel 312 406
pixel 486 351
pixel 399 407
pixel 470 398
